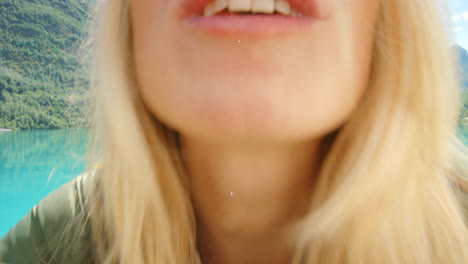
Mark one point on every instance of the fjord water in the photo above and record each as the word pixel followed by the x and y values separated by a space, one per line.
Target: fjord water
pixel 34 163
pixel 463 134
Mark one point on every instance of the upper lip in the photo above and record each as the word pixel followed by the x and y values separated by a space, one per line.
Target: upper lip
pixel 191 8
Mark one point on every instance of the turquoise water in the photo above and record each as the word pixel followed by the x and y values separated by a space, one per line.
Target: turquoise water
pixel 464 133
pixel 34 163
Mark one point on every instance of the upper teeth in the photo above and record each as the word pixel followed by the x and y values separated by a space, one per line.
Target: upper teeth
pixel 254 6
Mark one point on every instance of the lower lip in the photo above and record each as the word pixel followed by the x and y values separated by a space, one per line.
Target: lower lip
pixel 249 26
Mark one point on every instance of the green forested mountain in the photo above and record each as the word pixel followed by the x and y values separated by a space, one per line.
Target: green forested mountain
pixel 43 75
pixel 43 65
pixel 464 62
pixel 464 71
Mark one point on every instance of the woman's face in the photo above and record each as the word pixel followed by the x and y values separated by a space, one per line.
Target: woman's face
pixel 297 84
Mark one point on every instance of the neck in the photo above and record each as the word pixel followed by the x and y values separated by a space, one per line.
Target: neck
pixel 246 198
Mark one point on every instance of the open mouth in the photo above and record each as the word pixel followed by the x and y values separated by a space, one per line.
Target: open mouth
pixel 250 19
pixel 249 7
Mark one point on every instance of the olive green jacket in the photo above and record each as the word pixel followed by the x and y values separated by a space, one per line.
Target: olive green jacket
pixel 51 232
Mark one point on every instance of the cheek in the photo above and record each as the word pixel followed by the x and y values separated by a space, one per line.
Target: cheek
pixel 299 87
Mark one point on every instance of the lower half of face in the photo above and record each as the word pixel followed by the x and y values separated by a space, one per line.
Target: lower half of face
pixel 298 85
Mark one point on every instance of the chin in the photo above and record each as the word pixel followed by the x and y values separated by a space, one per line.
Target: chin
pixel 235 105
pixel 236 122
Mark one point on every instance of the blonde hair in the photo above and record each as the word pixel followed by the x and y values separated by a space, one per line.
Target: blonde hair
pixel 386 193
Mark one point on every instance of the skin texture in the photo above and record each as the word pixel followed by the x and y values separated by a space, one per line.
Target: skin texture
pixel 251 116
